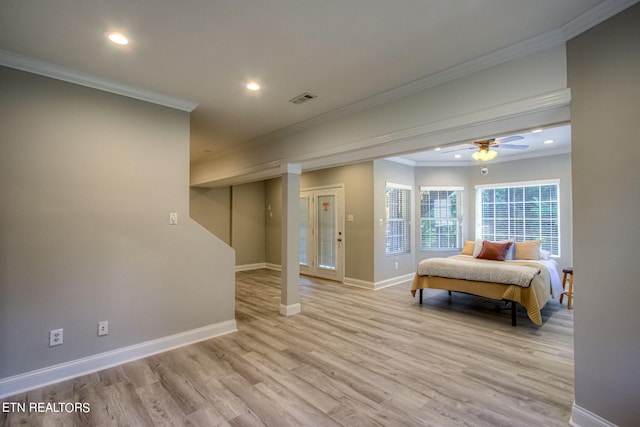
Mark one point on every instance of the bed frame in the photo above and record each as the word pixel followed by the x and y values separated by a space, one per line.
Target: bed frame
pixel 514 307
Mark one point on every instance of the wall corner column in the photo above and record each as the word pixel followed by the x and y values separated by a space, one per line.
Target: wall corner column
pixel 290 280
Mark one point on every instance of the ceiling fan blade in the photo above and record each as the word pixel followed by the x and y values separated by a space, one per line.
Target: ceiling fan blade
pixel 457 149
pixel 512 146
pixel 509 139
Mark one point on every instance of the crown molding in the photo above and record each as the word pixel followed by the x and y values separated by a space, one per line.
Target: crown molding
pixel 69 75
pixel 594 16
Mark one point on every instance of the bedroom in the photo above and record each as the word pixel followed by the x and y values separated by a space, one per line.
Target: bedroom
pixel 604 343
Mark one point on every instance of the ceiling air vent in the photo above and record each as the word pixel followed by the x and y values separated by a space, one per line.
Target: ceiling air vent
pixel 300 99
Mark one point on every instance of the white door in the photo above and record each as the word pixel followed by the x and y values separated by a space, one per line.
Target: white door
pixel 322 233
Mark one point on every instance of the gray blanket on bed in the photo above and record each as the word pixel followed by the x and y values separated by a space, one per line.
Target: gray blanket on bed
pixel 478 270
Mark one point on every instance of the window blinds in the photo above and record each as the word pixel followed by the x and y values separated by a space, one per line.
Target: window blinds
pixel 440 217
pixel 522 211
pixel 398 212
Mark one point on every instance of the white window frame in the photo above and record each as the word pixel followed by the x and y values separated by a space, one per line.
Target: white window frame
pixel 547 238
pixel 398 220
pixel 445 218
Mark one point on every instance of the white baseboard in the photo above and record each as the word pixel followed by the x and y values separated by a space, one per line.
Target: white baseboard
pixel 11 386
pixel 378 285
pixel 290 310
pixel 257 266
pixel 247 267
pixel 581 417
pixel 276 267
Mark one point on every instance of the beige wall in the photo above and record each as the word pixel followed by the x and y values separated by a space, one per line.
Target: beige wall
pixel 211 207
pixel 87 182
pixel 248 223
pixel 273 221
pixel 358 194
pixel 603 70
pixel 236 215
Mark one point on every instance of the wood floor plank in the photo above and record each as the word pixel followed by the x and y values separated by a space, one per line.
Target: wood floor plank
pixel 352 357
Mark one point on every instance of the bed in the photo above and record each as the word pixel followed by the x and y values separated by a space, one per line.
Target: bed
pixel 528 282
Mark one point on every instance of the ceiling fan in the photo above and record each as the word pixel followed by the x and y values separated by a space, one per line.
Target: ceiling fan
pixel 485 146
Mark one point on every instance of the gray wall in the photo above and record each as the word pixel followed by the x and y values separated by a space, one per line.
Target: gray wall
pixel 550 167
pixel 87 182
pixel 603 70
pixel 444 176
pixel 384 265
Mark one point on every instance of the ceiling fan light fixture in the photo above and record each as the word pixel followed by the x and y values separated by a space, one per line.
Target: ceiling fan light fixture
pixel 485 154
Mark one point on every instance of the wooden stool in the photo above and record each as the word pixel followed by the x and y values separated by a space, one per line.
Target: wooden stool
pixel 569 293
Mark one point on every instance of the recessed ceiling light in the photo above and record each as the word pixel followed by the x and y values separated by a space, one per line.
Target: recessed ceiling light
pixel 253 86
pixel 537 130
pixel 437 149
pixel 549 141
pixel 457 156
pixel 118 38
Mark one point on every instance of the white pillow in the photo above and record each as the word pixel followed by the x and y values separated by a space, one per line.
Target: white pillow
pixel 477 248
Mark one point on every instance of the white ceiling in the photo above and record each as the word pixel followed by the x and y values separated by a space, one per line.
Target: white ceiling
pixel 205 51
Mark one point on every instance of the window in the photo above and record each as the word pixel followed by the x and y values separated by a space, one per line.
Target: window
pixel 522 211
pixel 398 206
pixel 440 217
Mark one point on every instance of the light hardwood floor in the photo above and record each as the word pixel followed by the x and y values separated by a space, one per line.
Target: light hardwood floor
pixel 353 357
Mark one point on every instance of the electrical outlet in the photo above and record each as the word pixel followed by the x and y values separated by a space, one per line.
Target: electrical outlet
pixel 55 337
pixel 173 218
pixel 103 328
pixel 396 265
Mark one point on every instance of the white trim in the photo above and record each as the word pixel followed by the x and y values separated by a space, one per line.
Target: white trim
pixel 290 310
pixel 58 72
pixel 258 172
pixel 349 281
pixel 581 417
pixel 292 168
pixel 398 186
pixel 247 267
pixel 441 188
pixel 357 283
pixel 519 183
pixel 275 267
pixel 258 266
pixel 394 281
pixel 11 386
